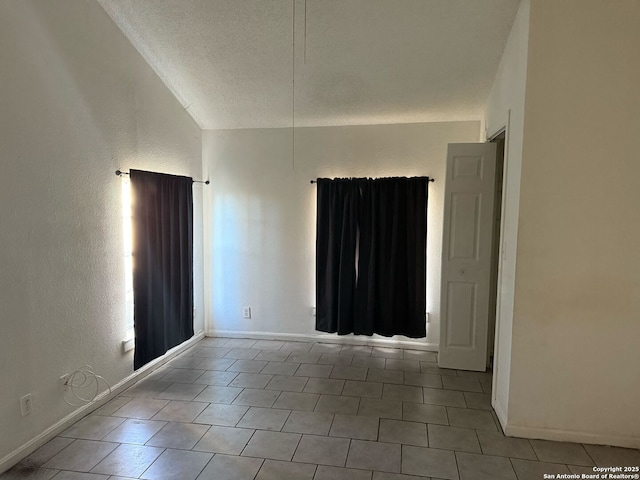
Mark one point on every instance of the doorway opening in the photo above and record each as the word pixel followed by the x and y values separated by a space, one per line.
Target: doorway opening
pixel 499 140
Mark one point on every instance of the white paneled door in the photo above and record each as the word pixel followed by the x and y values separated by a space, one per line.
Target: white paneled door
pixel 466 255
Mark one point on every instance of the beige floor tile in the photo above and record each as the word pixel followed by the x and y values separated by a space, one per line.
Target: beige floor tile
pixel 46 452
pixel 225 467
pixel 276 470
pixel 272 445
pixel 403 365
pixel 380 408
pixel 311 370
pixel 454 438
pixel 472 466
pixel 325 472
pixel 429 462
pixel 280 368
pixel 134 430
pixel 613 456
pixel 436 396
pixel 264 418
pixel 467 384
pixel 530 470
pixel 225 440
pixel 143 408
pixel 406 433
pixel 355 426
pixel 297 401
pixel 242 353
pixel 349 373
pixel 405 393
pixel 251 380
pixel 177 411
pixel 93 427
pixel 495 443
pixel 308 422
pixel 354 388
pixel 385 376
pixel 466 417
pixel 218 394
pixel 561 452
pixel 322 450
pixel 374 456
pixel 178 435
pixel 218 414
pixel 81 455
pixel 419 412
pixel 253 397
pixel 128 460
pixel 337 404
pixel 422 379
pixel 247 366
pixel 327 386
pixel 173 464
pixel 286 383
pixel 181 391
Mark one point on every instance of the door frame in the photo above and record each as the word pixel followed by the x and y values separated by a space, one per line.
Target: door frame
pixel 501 251
pixel 500 139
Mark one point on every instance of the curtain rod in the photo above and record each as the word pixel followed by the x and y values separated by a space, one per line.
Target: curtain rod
pixel 430 180
pixel 120 173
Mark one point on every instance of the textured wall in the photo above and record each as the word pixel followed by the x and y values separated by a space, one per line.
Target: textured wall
pixel 575 357
pixel 260 212
pixel 505 110
pixel 77 102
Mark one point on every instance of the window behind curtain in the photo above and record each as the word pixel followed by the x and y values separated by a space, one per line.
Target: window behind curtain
pixel 162 262
pixel 371 256
pixel 128 257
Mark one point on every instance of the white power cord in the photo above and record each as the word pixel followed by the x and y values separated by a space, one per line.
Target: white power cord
pixel 83 379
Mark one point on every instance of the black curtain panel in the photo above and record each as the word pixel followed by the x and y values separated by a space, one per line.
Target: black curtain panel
pixel 337 226
pixel 162 263
pixel 388 260
pixel 391 291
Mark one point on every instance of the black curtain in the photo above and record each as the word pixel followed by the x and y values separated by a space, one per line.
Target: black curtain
pixel 371 256
pixel 162 263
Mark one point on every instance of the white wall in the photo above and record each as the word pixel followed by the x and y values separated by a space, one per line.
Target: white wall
pixel 575 370
pixel 261 211
pixel 505 109
pixel 76 103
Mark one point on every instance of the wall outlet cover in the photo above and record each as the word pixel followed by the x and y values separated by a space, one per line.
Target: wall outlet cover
pixel 26 405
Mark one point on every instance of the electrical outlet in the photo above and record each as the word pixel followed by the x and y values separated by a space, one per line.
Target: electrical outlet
pixel 25 405
pixel 64 381
pixel 313 311
pixel 246 312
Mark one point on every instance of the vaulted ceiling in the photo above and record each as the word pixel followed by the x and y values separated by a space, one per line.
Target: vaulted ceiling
pixel 270 63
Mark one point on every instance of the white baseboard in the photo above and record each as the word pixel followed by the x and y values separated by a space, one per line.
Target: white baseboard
pixel 561 435
pixel 500 413
pixel 326 337
pixel 571 436
pixel 23 451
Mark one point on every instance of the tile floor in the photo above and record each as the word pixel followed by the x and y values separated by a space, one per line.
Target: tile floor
pixel 237 409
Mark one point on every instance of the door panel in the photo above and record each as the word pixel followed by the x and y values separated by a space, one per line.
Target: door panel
pixel 466 255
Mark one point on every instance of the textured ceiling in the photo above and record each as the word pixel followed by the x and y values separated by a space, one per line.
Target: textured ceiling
pixel 231 62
